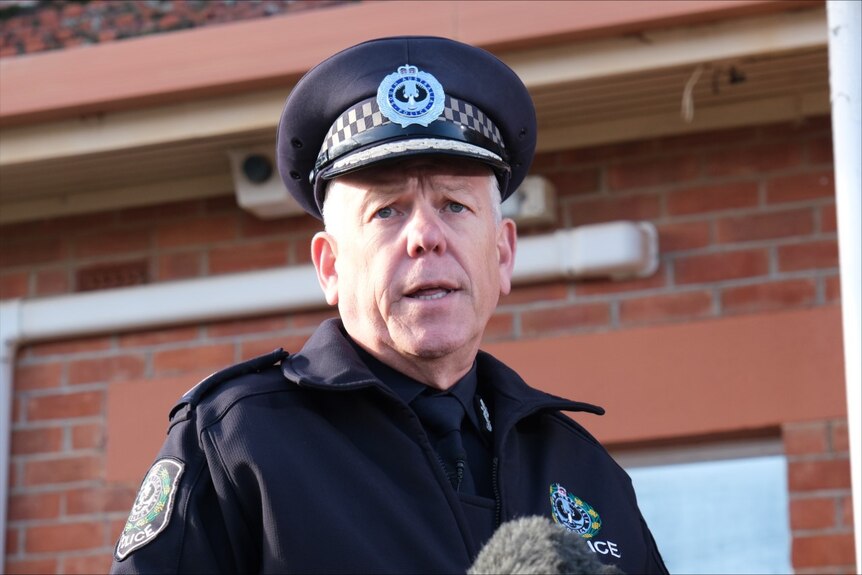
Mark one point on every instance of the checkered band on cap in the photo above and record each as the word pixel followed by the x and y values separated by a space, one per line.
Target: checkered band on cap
pixel 469 115
pixel 367 115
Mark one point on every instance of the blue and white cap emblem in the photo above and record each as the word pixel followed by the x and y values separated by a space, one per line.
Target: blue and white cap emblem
pixel 410 96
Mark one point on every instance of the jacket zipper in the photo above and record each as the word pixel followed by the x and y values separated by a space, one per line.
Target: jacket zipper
pixel 498 501
pixel 495 464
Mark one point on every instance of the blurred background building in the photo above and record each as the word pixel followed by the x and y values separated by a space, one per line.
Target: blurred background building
pixel 144 243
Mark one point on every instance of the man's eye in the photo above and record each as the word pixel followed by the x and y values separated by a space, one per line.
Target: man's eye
pixel 384 213
pixel 455 207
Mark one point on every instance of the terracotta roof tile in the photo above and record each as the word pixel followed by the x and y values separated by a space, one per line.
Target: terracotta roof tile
pixel 29 26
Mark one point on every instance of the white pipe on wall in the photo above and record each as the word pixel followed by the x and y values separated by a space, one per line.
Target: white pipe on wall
pixel 845 83
pixel 180 302
pixel 630 252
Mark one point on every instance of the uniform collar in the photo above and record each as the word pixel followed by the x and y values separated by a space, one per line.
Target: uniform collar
pixel 409 389
pixel 328 361
pixel 404 386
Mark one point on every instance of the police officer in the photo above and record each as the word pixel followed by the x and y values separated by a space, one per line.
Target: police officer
pixel 389 443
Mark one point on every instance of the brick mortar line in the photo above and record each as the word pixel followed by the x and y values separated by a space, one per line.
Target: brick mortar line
pixel 835 495
pixel 756 210
pixel 204 340
pixel 779 277
pixel 699 181
pixel 105 518
pixel 293 330
pixel 69 355
pixel 814 457
pixel 65 388
pixel 820 289
pixel 571 330
pixel 614 315
pixel 40 360
pixel 727 247
pixel 542 305
pixel 704 153
pixel 834 530
pixel 26 490
pixel 23 425
pixel 773 260
pixel 820 570
pixel 664 320
pixel 668 291
pixel 517 326
pixel 76 262
pixel 755 280
pixel 65 554
pixel 716 307
pixel 63 488
pixel 52 423
pixel 59 456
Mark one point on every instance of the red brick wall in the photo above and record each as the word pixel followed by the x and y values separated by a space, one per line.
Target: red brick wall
pixel 746 220
pixel 821 512
pixel 747 225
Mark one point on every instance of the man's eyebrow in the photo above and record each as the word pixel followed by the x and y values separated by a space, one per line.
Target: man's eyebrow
pixel 449 185
pixel 374 193
pixel 374 190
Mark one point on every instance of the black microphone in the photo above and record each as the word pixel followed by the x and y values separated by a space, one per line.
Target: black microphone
pixel 534 546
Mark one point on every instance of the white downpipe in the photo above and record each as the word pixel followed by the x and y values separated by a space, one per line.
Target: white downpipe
pixel 631 249
pixel 9 336
pixel 845 81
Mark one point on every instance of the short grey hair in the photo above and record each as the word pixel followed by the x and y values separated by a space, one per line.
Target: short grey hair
pixel 493 188
pixel 496 199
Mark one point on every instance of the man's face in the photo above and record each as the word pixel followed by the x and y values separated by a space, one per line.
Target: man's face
pixel 415 259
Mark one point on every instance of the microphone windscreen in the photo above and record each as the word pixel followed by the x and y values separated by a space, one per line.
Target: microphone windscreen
pixel 533 546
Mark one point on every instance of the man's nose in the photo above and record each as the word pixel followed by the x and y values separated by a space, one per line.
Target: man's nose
pixel 425 233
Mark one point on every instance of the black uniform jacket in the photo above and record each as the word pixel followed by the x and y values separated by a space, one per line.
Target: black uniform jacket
pixel 307 463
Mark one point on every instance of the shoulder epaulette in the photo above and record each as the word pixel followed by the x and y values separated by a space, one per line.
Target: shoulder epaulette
pixel 254 365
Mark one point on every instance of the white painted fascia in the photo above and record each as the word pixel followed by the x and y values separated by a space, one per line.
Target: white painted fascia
pixel 669 47
pixel 258 112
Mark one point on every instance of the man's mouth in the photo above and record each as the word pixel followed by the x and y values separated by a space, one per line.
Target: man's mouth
pixel 431 293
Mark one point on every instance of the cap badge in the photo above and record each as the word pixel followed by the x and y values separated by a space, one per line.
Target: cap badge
pixel 409 96
pixel 573 513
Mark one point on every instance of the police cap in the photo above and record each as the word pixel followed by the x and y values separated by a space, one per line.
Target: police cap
pixel 403 96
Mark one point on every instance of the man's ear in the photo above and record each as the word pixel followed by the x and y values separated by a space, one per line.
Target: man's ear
pixel 507 239
pixel 324 251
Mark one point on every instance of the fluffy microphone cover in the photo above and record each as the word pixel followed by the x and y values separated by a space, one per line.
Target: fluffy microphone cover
pixel 533 546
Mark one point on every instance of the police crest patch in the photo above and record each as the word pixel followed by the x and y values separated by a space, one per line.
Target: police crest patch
pixel 152 508
pixel 574 513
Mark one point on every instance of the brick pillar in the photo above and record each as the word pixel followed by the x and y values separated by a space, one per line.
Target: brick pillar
pixel 821 517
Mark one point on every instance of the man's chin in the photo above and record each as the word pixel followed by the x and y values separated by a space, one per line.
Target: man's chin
pixel 434 346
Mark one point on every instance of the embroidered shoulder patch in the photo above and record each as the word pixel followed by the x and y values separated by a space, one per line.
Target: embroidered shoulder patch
pixel 574 513
pixel 153 506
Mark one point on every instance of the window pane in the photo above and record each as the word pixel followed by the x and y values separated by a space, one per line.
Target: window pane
pixel 728 516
